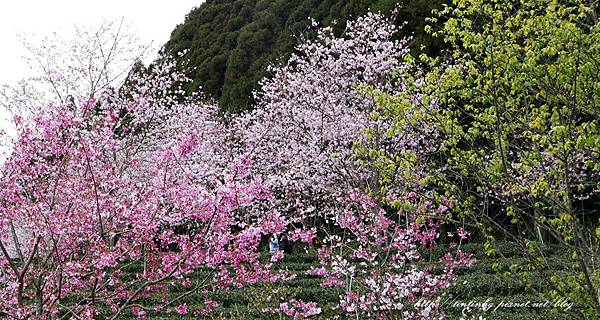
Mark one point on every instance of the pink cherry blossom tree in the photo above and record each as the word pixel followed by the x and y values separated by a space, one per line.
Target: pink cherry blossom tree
pixel 376 255
pixel 99 188
pixel 311 134
pixel 313 110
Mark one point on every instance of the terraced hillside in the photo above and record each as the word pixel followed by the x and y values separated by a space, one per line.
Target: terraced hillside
pixel 490 281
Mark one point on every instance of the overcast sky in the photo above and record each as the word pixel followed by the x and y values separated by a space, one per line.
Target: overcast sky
pixel 151 20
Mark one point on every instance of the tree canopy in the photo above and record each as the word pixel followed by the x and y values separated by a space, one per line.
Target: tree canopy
pixel 230 43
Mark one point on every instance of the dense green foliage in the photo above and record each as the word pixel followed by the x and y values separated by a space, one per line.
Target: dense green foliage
pixel 518 114
pixel 232 42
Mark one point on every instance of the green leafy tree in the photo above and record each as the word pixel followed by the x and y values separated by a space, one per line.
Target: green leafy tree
pixel 517 99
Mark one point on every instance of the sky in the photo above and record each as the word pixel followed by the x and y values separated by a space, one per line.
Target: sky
pixel 151 20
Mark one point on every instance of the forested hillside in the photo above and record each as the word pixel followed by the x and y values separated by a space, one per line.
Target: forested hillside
pixel 232 42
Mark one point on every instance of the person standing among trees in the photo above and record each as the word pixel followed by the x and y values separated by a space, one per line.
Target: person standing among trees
pixel 273 244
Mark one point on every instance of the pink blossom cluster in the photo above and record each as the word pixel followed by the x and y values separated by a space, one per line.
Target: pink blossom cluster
pixel 377 258
pixel 296 309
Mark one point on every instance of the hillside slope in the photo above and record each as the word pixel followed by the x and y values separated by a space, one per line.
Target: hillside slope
pixel 231 42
